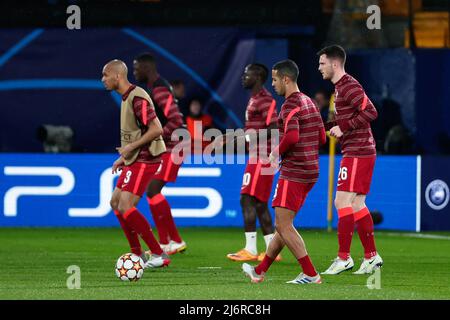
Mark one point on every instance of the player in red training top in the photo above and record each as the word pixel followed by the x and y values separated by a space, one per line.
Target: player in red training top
pixel 260 116
pixel 161 92
pixel 138 165
pixel 353 113
pixel 301 133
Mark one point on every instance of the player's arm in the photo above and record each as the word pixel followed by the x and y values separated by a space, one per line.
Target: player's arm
pixel 269 114
pixel 145 113
pixel 322 133
pixel 164 98
pixel 366 110
pixel 154 130
pixel 291 135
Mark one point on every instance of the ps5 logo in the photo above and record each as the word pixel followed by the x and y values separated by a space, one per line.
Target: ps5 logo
pixel 437 194
pixel 106 186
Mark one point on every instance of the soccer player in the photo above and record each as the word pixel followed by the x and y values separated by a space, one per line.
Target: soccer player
pixel 301 133
pixel 353 113
pixel 139 126
pixel 145 71
pixel 261 113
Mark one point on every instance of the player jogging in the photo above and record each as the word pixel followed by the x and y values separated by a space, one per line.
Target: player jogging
pixel 145 71
pixel 353 113
pixel 301 132
pixel 261 113
pixel 139 127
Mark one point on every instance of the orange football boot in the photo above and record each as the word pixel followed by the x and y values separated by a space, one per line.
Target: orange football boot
pixel 242 255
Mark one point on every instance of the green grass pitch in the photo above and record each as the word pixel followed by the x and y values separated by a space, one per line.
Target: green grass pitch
pixel 34 264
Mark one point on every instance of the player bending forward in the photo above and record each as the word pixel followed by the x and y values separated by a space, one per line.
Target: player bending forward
pixel 301 133
pixel 139 126
pixel 354 112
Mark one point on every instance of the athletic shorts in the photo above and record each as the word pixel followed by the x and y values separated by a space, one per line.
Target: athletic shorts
pixel 168 171
pixel 135 177
pixel 355 174
pixel 290 194
pixel 256 183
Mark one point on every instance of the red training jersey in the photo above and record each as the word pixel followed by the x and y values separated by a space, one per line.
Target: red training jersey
pixel 145 113
pixel 165 100
pixel 353 113
pixel 300 163
pixel 261 112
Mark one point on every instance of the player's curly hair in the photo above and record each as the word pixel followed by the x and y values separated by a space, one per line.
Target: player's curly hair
pixel 145 57
pixel 261 69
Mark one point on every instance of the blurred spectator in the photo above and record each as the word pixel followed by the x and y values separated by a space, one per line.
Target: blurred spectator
pixel 398 141
pixel 197 123
pixel 389 117
pixel 444 143
pixel 178 88
pixel 322 101
pixel 179 91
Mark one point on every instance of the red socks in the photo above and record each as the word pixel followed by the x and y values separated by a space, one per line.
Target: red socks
pixel 264 265
pixel 346 225
pixel 364 225
pixel 307 266
pixel 140 225
pixel 162 216
pixel 132 237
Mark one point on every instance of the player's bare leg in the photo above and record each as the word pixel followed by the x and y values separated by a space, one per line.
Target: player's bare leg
pixel 256 274
pixel 169 237
pixel 364 225
pixel 346 225
pixel 284 219
pixel 130 234
pixel 265 220
pixel 250 251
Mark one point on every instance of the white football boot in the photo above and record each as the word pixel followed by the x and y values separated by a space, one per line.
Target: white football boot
pixel 165 247
pixel 156 261
pixel 339 266
pixel 175 247
pixel 369 265
pixel 251 273
pixel 304 279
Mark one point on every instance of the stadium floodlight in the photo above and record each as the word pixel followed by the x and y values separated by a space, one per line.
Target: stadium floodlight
pixel 55 139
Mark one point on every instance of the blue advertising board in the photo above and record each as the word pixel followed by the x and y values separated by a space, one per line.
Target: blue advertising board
pixel 435 193
pixel 75 190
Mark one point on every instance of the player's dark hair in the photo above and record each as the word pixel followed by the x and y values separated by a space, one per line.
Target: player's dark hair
pixel 334 52
pixel 287 68
pixel 146 57
pixel 261 69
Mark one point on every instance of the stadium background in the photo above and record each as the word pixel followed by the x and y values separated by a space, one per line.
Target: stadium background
pixel 50 75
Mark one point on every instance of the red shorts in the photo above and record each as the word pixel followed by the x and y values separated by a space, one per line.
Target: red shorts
pixel 168 170
pixel 135 177
pixel 256 183
pixel 355 174
pixel 290 194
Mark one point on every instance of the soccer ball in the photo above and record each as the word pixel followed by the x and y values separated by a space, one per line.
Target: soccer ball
pixel 129 267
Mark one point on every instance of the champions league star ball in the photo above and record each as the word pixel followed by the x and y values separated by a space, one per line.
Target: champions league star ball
pixel 129 267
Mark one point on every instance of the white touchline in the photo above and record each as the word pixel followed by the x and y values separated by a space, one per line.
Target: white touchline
pixel 418 235
pixel 418 192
